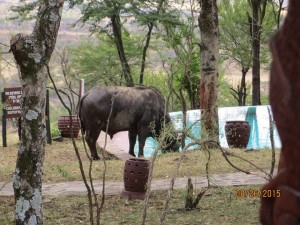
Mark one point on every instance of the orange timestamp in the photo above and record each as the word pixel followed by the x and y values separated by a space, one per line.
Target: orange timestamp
pixel 256 193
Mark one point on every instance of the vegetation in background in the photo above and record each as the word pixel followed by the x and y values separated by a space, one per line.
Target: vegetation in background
pixel 235 41
pixel 182 63
pixel 97 61
pixel 54 130
pixel 262 24
pixel 110 17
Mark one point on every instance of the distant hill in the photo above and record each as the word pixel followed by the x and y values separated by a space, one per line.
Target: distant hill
pixel 67 34
pixel 72 36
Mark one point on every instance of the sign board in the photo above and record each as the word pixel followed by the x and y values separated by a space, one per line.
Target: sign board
pixel 12 109
pixel 12 104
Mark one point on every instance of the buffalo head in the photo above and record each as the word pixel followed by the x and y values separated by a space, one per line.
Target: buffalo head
pixel 171 142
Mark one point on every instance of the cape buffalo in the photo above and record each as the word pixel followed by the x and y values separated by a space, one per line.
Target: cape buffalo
pixel 138 110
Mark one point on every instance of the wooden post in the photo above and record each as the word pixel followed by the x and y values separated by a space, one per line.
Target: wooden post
pixel 19 127
pixel 3 123
pixel 81 88
pixel 49 138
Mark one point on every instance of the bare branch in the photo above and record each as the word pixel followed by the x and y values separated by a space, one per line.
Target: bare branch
pixel 207 168
pixel 172 182
pixel 75 148
pixel 4 185
pixel 271 125
pixel 99 209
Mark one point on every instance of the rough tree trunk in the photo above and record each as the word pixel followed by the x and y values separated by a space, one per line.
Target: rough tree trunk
pixel 116 25
pixel 255 53
pixel 32 53
pixel 209 47
pixel 243 86
pixel 147 42
pixel 145 48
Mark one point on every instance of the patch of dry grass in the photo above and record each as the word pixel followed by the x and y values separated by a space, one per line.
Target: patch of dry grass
pixel 61 163
pixel 218 206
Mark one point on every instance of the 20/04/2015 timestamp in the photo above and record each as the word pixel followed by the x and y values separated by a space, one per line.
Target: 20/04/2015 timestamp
pixel 256 193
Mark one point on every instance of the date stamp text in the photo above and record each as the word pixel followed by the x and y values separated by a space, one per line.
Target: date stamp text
pixel 256 193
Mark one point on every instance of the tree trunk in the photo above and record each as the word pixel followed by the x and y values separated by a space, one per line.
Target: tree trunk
pixel 243 86
pixel 255 53
pixel 243 90
pixel 147 43
pixel 116 25
pixel 209 47
pixel 145 48
pixel 32 53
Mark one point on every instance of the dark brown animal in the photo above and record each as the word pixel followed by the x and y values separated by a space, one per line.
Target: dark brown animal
pixel 134 109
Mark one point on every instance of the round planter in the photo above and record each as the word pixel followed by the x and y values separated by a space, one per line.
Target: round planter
pixel 136 173
pixel 64 126
pixel 237 133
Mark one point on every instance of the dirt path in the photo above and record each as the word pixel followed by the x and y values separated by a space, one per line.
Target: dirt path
pixel 115 188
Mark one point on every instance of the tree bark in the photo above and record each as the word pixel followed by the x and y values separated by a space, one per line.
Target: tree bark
pixel 145 48
pixel 116 25
pixel 209 47
pixel 147 43
pixel 243 86
pixel 32 53
pixel 255 53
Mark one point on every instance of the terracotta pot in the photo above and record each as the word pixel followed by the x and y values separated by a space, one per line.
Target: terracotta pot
pixel 64 126
pixel 237 133
pixel 136 173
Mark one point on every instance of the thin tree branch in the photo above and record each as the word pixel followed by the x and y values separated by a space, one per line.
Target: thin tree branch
pixel 99 209
pixel 75 148
pixel 271 125
pixel 4 185
pixel 207 168
pixel 172 182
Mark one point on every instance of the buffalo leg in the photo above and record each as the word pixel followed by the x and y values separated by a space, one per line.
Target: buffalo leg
pixel 132 141
pixel 91 139
pixel 142 140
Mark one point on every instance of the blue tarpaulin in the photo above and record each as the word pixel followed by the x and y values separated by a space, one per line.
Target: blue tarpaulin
pixel 257 116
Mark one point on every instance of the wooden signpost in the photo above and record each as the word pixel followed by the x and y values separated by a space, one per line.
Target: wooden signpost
pixel 11 98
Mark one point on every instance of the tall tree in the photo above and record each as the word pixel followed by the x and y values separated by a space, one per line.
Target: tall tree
pixel 181 40
pixel 278 6
pixel 142 14
pixel 209 48
pixel 86 58
pixel 97 13
pixel 257 17
pixel 150 21
pixel 32 54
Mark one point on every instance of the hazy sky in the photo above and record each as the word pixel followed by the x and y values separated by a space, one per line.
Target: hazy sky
pixel 285 3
